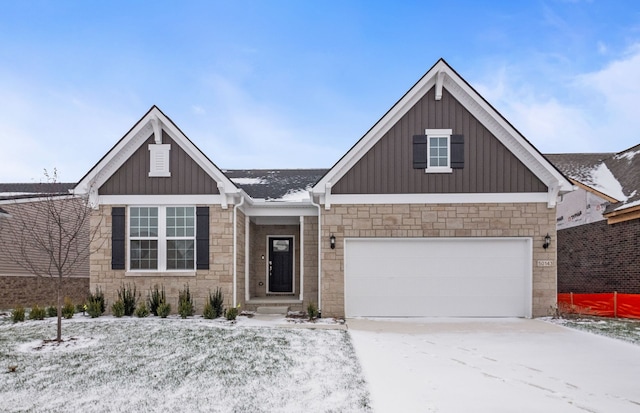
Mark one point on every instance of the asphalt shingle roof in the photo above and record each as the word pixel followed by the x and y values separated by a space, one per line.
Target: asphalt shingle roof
pixel 274 184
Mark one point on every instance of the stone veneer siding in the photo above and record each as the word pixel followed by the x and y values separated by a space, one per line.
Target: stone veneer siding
pixel 220 273
pixel 599 258
pixel 533 220
pixel 29 290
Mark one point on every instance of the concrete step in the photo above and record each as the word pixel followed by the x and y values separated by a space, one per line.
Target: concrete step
pixel 273 310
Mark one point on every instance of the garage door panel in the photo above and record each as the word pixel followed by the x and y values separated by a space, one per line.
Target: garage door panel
pixel 438 277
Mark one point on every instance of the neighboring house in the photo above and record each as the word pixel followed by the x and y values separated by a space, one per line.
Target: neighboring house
pixel 598 225
pixel 19 286
pixel 440 209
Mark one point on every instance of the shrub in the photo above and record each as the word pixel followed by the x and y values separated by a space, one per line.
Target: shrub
pixel 232 313
pixel 155 298
pixel 17 314
pixel 185 303
pixel 312 311
pixel 128 298
pixel 80 308
pixel 142 310
pixel 37 313
pixel 52 311
pixel 164 309
pixel 68 309
pixel 208 312
pixel 217 300
pixel 118 308
pixel 94 308
pixel 99 298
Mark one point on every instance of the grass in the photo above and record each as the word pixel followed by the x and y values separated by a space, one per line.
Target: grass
pixel 153 364
pixel 620 328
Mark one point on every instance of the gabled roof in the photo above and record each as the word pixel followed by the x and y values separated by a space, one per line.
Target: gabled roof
pixel 134 138
pixel 276 184
pixel 439 76
pixel 616 175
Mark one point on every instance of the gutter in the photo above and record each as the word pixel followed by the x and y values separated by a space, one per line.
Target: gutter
pixel 319 254
pixel 235 248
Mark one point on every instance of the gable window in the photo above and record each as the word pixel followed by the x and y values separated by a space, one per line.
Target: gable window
pixel 438 151
pixel 162 238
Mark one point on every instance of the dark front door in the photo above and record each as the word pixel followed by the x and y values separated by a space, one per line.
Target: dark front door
pixel 281 265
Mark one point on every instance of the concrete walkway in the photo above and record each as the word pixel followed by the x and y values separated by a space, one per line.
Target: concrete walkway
pixel 494 365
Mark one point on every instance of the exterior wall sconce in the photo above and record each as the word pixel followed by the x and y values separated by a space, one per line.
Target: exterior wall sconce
pixel 332 242
pixel 547 241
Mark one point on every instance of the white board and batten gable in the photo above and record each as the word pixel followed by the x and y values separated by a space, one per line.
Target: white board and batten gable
pixel 442 77
pixel 155 123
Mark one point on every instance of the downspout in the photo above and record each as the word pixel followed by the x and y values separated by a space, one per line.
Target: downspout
pixel 319 254
pixel 235 249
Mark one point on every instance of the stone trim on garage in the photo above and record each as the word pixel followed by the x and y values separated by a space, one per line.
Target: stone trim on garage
pixel 533 220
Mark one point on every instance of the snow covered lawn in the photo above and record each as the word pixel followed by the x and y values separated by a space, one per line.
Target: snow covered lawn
pixel 494 365
pixel 191 365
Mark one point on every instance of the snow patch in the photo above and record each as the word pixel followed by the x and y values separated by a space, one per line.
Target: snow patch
pixel 249 181
pixel 297 195
pixel 604 181
pixel 628 155
pixel 67 344
pixel 629 205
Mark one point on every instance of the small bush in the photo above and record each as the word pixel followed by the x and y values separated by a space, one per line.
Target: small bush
pixel 155 298
pixel 185 303
pixel 232 313
pixel 37 313
pixel 129 298
pixel 94 309
pixel 217 300
pixel 80 308
pixel 52 311
pixel 99 298
pixel 17 314
pixel 208 311
pixel 312 311
pixel 68 309
pixel 164 309
pixel 142 310
pixel 118 309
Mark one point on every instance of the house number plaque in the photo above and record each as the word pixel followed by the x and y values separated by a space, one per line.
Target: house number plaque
pixel 545 263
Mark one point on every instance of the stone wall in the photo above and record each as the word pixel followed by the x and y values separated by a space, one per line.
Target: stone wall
pixel 219 274
pixel 599 258
pixel 30 290
pixel 533 220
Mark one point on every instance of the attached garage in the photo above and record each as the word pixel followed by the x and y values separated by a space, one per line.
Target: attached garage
pixel 438 277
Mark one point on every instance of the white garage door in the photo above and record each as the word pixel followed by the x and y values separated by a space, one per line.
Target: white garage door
pixel 438 277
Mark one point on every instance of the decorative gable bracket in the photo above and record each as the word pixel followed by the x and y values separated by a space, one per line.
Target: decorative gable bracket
pixel 158 152
pixel 439 82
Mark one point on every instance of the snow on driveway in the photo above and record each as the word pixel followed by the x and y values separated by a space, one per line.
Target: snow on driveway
pixel 494 365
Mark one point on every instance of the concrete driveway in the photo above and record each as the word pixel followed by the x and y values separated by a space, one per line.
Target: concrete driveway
pixel 494 365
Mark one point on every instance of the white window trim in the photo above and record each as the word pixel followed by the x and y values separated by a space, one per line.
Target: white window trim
pixel 438 133
pixel 162 243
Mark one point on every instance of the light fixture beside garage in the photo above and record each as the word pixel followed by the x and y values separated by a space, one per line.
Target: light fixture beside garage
pixel 547 241
pixel 332 242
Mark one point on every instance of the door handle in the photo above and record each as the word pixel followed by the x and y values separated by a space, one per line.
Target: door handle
pixel 270 267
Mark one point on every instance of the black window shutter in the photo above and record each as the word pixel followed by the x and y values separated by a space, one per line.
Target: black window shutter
pixel 419 151
pixel 202 238
pixel 457 151
pixel 117 238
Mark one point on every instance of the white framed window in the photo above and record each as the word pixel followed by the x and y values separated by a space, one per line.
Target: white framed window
pixel 438 150
pixel 162 238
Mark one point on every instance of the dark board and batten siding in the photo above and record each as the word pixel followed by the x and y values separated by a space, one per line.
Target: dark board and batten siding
pixel 489 167
pixel 187 177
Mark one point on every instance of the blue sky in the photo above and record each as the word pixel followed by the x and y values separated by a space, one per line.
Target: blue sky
pixel 294 84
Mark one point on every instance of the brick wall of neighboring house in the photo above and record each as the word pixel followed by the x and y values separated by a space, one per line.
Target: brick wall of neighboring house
pixel 442 220
pixel 598 258
pixel 30 290
pixel 219 274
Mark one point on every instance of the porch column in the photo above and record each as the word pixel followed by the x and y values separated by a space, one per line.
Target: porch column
pixel 301 258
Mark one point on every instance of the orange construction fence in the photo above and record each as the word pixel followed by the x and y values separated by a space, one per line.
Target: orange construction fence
pixel 603 304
